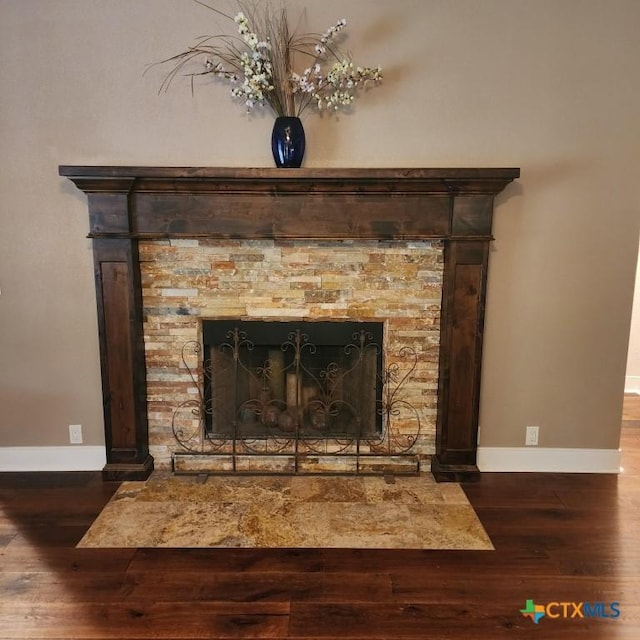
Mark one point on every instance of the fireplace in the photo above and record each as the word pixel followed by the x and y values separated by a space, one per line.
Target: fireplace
pixel 137 212
pixel 296 397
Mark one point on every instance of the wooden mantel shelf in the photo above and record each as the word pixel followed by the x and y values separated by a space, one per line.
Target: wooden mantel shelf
pixel 130 204
pixel 297 176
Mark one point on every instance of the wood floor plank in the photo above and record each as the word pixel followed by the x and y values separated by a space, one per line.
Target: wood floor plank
pixel 445 622
pixel 515 588
pixel 257 587
pixel 96 621
pixel 241 560
pixel 62 560
pixel 51 586
pixel 527 560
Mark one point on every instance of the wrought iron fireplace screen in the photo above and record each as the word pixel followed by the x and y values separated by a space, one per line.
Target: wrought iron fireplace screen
pixel 307 395
pixel 316 379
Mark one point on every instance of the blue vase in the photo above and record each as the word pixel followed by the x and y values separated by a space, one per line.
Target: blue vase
pixel 287 141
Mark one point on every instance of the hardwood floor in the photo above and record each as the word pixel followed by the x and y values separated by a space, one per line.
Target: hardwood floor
pixel 631 410
pixel 558 538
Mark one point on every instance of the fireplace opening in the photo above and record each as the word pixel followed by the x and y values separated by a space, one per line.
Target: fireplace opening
pixel 311 380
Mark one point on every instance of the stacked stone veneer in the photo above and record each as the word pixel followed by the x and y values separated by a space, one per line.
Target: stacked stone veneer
pixel 186 281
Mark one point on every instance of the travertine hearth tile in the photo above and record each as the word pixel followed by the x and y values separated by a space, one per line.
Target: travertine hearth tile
pixel 288 511
pixel 328 489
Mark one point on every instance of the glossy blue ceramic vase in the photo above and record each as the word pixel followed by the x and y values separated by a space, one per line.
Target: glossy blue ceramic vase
pixel 287 142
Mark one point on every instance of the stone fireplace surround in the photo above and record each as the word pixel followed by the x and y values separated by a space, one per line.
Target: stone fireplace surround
pixel 131 205
pixel 186 283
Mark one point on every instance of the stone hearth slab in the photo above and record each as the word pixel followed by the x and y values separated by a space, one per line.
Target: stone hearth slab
pixel 288 512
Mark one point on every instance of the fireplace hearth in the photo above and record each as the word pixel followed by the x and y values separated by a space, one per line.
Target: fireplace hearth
pixel 131 208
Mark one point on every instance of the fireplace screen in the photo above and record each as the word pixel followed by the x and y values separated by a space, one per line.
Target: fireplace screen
pixel 314 379
pixel 296 397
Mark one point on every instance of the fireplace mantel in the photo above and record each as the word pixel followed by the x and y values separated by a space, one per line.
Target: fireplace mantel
pixel 131 204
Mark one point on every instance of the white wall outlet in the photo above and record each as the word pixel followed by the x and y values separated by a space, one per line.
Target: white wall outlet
pixel 75 433
pixel 531 439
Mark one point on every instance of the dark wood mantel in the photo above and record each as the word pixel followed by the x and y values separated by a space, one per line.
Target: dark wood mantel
pixel 130 204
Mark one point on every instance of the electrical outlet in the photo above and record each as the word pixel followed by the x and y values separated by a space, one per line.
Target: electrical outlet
pixel 531 439
pixel 75 433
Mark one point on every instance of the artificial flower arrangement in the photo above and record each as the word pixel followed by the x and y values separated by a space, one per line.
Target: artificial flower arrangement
pixel 259 62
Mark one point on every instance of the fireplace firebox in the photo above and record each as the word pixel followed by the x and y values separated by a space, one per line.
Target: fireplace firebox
pixel 132 205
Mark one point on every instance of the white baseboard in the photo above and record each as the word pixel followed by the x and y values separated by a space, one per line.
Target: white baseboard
pixel 71 458
pixel 632 384
pixel 490 459
pixel 536 459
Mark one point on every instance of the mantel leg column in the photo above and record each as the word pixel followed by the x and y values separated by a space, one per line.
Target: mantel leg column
pixel 122 358
pixel 462 325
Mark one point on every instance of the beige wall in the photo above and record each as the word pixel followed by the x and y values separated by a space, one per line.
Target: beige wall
pixel 550 86
pixel 632 381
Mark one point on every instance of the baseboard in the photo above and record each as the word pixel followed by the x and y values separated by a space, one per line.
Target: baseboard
pixel 536 459
pixel 71 458
pixel 490 459
pixel 632 385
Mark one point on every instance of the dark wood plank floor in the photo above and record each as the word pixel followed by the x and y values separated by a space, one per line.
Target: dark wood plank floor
pixel 558 537
pixel 631 410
